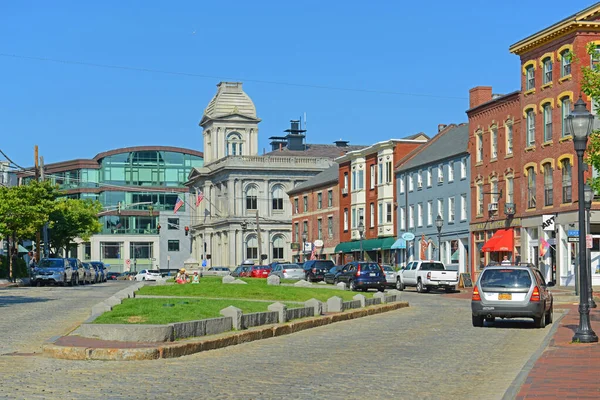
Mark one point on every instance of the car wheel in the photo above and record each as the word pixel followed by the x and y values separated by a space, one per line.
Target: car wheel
pixel 352 286
pixel 477 321
pixel 381 289
pixel 420 288
pixel 540 322
pixel 549 315
pixel 399 285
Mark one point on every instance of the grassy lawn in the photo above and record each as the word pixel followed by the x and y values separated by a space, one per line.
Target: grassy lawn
pixel 165 311
pixel 255 289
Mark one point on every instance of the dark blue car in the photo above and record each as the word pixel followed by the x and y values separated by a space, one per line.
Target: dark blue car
pixel 363 275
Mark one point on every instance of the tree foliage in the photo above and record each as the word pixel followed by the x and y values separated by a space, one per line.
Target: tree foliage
pixel 73 218
pixel 590 85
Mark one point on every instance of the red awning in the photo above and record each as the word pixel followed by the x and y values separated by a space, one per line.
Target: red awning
pixel 503 240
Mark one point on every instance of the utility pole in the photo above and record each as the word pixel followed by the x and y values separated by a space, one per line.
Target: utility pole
pixel 45 231
pixel 259 241
pixel 37 178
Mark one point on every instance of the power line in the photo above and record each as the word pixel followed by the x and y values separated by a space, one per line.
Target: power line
pixel 193 75
pixel 11 161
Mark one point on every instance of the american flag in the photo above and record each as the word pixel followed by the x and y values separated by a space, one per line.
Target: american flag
pixel 177 205
pixel 199 198
pixel 313 254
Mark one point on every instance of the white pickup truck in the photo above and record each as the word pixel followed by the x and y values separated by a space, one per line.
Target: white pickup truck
pixel 425 275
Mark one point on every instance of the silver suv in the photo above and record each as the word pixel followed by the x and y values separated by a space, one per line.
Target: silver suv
pixel 512 291
pixel 52 270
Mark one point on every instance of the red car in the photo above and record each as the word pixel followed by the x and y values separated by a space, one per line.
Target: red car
pixel 260 271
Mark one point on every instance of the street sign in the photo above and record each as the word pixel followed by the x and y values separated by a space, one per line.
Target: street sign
pixel 589 242
pixel 573 232
pixel 573 239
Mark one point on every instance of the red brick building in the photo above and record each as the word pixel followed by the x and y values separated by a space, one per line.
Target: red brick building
pixel 496 208
pixel 367 188
pixel 315 211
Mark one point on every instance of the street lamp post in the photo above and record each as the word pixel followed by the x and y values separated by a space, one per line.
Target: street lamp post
pixel 588 194
pixel 580 125
pixel 361 232
pixel 439 222
pixel 304 238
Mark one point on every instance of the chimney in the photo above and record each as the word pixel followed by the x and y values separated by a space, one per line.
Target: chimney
pixel 479 95
pixel 341 143
pixel 441 127
pixel 295 136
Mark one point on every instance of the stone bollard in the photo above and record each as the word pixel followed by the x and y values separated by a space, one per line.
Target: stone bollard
pixel 228 279
pixel 316 304
pixel 360 298
pixel 281 309
pixel 395 293
pixel 380 295
pixel 235 314
pixel 273 280
pixel 334 304
pixel 302 283
pixel 341 285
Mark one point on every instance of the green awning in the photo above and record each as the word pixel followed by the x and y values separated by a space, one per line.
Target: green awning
pixel 367 245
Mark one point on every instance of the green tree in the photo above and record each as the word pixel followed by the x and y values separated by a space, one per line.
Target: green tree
pixel 590 85
pixel 73 218
pixel 24 210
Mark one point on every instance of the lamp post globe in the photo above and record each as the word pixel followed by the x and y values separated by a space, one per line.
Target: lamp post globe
pixel 361 232
pixel 439 223
pixel 580 123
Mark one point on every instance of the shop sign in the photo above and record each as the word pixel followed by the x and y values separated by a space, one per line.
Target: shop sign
pixel 548 222
pixel 408 236
pixel 318 243
pixel 500 224
pixel 295 246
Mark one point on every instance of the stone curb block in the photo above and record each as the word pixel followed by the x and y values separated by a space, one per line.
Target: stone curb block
pixel 183 349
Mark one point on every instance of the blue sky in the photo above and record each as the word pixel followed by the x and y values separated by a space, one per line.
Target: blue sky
pixel 432 52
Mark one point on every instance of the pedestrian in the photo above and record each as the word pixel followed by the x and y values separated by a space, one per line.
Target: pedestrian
pixel 32 264
pixel 196 278
pixel 505 261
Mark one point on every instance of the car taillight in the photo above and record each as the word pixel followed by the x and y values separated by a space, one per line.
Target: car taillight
pixel 285 271
pixel 429 275
pixel 476 296
pixel 358 271
pixel 535 296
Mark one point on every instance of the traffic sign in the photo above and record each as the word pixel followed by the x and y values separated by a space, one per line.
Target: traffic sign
pixel 573 232
pixel 128 261
pixel 573 239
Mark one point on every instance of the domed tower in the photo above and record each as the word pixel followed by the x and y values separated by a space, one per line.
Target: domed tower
pixel 229 123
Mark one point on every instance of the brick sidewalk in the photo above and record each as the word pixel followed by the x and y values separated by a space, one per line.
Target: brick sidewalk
pixel 566 370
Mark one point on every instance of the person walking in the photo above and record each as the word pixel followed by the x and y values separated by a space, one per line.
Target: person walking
pixel 505 261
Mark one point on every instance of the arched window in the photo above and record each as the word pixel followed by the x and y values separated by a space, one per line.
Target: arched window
pixel 278 246
pixel 252 247
pixel 233 144
pixel 479 186
pixel 277 194
pixel 251 198
pixel 547 122
pixel 566 181
pixel 548 193
pixel 531 201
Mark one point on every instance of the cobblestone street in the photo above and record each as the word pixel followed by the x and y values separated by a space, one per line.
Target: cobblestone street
pixel 427 351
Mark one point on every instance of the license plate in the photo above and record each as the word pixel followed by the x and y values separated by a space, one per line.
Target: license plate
pixel 505 296
pixel 443 282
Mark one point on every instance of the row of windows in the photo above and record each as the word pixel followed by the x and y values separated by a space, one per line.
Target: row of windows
pixel 320 229
pixel 319 202
pixel 548 70
pixel 508 141
pixel 494 192
pixel 385 215
pixel 547 125
pixel 426 216
pixel 277 247
pixel 382 171
pixel 418 176
pixel 548 171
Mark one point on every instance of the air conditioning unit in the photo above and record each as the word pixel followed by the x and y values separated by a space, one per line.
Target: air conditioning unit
pixel 493 207
pixel 345 191
pixel 420 185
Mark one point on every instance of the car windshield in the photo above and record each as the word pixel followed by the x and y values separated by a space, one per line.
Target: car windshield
pixel 51 264
pixel 388 268
pixel 153 271
pixel 290 266
pixel 505 278
pixel 432 266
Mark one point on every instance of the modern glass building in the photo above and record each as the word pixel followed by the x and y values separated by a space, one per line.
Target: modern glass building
pixel 138 188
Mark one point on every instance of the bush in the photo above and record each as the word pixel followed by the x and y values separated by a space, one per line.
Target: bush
pixel 19 268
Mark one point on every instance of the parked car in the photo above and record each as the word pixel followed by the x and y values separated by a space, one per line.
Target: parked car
pixel 127 276
pixel 287 271
pixel 91 271
pixel 426 275
pixel 260 271
pixel 217 271
pixel 512 291
pixel 391 276
pixel 363 275
pixel 112 276
pixel 148 275
pixel 52 270
pixel 82 276
pixel 332 274
pixel 315 270
pixel 102 270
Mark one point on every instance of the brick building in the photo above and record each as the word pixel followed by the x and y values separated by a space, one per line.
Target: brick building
pixel 551 83
pixel 315 210
pixel 368 195
pixel 496 204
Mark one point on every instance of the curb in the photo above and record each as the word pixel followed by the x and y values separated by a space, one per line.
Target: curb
pixel 179 349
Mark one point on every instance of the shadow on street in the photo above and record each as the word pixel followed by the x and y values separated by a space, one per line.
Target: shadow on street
pixel 6 301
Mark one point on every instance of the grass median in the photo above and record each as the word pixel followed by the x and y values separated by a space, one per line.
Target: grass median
pixel 166 311
pixel 255 289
